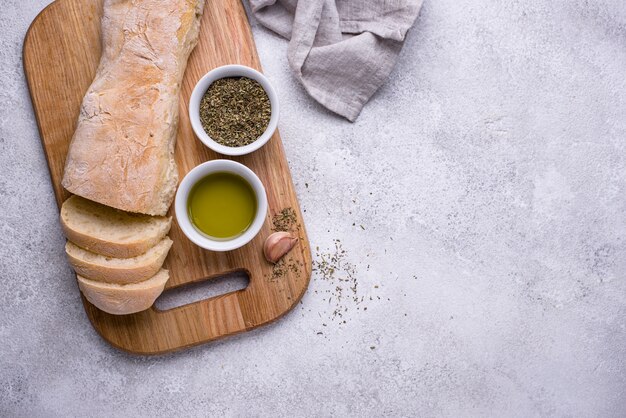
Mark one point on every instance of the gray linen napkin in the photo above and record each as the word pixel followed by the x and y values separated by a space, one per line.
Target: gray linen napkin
pixel 341 50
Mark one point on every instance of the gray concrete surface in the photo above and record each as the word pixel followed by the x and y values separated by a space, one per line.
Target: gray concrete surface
pixel 480 200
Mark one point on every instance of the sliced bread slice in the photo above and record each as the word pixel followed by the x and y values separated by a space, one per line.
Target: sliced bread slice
pixel 118 270
pixel 111 232
pixel 124 299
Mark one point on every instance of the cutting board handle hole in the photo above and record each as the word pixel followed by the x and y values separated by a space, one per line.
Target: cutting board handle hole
pixel 206 289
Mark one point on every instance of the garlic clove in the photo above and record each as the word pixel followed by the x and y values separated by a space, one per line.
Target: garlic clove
pixel 277 245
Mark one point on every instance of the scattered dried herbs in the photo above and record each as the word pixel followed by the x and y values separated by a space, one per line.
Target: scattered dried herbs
pixel 278 271
pixel 282 267
pixel 342 286
pixel 284 220
pixel 235 111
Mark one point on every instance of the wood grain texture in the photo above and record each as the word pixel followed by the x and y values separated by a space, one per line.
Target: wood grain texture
pixel 61 53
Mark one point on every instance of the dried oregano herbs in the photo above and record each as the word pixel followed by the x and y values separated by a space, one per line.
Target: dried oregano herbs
pixel 284 220
pixel 235 111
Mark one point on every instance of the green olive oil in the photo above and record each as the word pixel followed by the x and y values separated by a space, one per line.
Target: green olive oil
pixel 222 205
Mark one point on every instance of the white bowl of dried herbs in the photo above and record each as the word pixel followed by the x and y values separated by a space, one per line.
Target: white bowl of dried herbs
pixel 234 110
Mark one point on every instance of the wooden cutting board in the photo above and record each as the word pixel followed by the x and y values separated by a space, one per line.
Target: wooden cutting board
pixel 61 53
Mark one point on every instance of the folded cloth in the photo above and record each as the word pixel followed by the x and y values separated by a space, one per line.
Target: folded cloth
pixel 341 50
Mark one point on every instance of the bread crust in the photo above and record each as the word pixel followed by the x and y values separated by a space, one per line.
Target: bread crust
pixel 105 269
pixel 107 246
pixel 123 299
pixel 122 152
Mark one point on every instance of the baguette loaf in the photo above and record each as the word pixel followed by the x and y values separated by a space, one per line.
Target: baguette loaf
pixel 122 152
pixel 118 270
pixel 111 232
pixel 123 299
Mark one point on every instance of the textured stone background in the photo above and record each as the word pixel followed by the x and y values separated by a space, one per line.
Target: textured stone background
pixel 480 200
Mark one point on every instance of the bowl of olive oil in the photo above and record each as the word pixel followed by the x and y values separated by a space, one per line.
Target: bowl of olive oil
pixel 221 205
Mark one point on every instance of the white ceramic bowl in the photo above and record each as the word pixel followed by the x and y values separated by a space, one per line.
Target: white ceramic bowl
pixel 201 88
pixel 198 173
